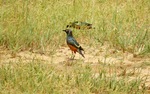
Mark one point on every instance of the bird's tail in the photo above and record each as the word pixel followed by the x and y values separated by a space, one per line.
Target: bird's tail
pixel 80 52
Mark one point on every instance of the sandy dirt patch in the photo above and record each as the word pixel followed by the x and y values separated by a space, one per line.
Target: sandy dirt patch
pixel 125 63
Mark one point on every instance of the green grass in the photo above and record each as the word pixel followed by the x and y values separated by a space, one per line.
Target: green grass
pixel 37 77
pixel 39 24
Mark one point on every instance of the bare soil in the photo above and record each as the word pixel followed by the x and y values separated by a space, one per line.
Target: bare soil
pixel 125 63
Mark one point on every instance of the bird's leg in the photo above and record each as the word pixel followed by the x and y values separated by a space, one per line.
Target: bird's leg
pixel 72 56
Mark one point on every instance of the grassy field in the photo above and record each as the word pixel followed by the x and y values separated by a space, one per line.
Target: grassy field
pixel 29 25
pixel 38 78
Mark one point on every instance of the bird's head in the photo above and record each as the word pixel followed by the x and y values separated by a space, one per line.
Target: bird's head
pixel 68 31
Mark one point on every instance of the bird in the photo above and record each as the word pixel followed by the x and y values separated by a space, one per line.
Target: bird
pixel 79 25
pixel 73 44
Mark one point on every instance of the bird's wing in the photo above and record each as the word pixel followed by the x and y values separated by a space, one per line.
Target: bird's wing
pixel 85 23
pixel 73 42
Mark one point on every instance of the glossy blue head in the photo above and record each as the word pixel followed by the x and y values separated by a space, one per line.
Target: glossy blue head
pixel 68 32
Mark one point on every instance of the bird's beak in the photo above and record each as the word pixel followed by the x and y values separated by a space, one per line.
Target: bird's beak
pixel 64 30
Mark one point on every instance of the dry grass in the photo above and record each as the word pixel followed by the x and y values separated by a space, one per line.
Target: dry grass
pixel 35 25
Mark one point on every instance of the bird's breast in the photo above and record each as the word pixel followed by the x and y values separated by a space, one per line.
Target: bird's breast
pixel 72 48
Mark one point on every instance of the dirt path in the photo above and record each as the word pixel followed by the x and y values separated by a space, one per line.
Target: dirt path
pixel 125 62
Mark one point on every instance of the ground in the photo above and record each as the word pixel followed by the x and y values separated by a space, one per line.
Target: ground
pixel 124 63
